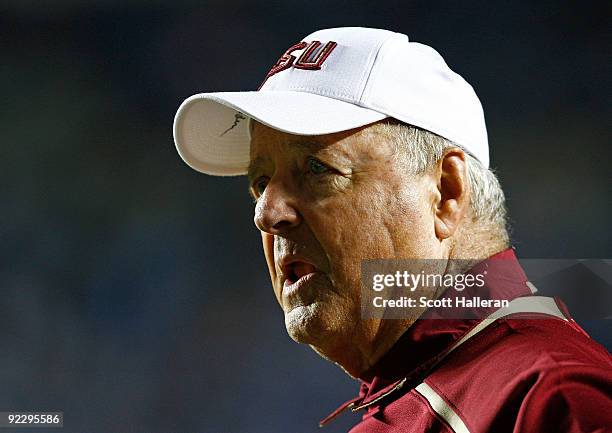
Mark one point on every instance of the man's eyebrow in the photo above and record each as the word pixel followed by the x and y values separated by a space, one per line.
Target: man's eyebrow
pixel 309 145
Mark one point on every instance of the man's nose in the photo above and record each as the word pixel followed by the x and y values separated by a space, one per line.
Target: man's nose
pixel 275 212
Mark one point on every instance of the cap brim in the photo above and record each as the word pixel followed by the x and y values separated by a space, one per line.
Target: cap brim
pixel 211 130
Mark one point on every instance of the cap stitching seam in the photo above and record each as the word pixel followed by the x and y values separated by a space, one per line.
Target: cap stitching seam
pixel 367 80
pixel 363 82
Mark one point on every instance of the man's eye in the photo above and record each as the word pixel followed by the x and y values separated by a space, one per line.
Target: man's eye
pixel 259 185
pixel 316 167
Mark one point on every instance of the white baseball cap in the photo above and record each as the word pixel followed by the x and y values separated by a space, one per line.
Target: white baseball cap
pixel 334 80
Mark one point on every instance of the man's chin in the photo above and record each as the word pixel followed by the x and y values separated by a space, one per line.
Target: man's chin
pixel 324 330
pixel 310 324
pixel 303 323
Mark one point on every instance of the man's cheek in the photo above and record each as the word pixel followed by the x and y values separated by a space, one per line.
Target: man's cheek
pixel 278 293
pixel 267 241
pixel 344 272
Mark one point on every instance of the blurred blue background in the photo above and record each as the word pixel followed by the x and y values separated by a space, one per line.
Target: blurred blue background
pixel 134 296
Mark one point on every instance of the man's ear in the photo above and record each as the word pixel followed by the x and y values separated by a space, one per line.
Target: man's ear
pixel 453 189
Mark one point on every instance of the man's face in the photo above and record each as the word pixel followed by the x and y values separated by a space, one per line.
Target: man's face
pixel 324 204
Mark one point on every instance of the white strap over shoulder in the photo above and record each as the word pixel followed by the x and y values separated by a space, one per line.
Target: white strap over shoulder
pixel 529 304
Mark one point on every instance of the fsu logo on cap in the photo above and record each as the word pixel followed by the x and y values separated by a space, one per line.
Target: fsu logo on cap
pixel 312 58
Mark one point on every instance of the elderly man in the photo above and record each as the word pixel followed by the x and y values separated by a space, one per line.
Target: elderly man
pixel 362 145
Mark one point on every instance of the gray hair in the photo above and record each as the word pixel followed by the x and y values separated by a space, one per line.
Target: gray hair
pixel 420 150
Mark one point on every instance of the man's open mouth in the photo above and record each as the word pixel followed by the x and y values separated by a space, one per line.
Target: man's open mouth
pixel 296 270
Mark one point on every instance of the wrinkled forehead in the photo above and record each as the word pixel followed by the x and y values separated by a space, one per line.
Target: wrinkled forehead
pixel 357 149
pixel 269 145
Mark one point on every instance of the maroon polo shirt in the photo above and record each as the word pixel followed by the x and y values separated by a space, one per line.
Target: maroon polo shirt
pixel 525 372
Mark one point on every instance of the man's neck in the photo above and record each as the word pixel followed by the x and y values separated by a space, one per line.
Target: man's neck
pixel 477 243
pixel 467 252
